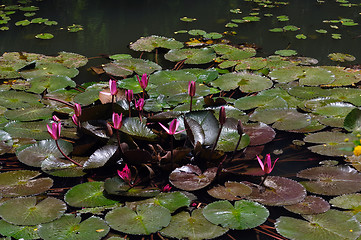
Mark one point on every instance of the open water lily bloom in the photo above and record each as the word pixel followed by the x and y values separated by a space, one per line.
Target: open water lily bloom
pixel 267 166
pixel 55 130
pixel 172 127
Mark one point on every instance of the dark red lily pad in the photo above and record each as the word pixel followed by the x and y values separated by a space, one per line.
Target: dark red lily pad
pixel 309 205
pixel 230 191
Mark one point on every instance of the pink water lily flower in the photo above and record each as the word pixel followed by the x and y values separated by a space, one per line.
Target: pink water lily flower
pixel 55 130
pixel 222 116
pixel 267 164
pixel 75 119
pixel 117 120
pixel 113 87
pixel 172 127
pixel 129 95
pixel 77 109
pixel 139 104
pixel 166 188
pixel 191 88
pixel 125 174
pixel 143 82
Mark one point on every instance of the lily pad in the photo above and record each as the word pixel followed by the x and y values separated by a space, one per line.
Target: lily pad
pixel 137 129
pixel 15 99
pixel 230 191
pixel 259 133
pixel 232 53
pixel 72 227
pixel 100 157
pixel 331 225
pixel 148 44
pixel 116 186
pixel 277 191
pixel 44 36
pixel 18 232
pixel 343 77
pixel 341 57
pixel 125 67
pixel 71 60
pixel 247 82
pixel 29 211
pixel 331 180
pixel 28 114
pixel 35 154
pixel 36 130
pixel 244 214
pixel 228 139
pixel 192 227
pixel 146 219
pixel 191 178
pixel 309 205
pixel 50 83
pixel 89 194
pixel 49 69
pixel 286 52
pixel 251 64
pixel 191 56
pixel 315 76
pixel 22 183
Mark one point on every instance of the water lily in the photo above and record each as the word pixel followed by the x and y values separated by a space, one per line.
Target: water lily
pixel 125 174
pixel 129 97
pixel 139 104
pixel 117 120
pixel 56 119
pixel 75 120
pixel 166 188
pixel 77 109
pixel 267 166
pixel 172 127
pixel 113 87
pixel 55 130
pixel 191 92
pixel 143 82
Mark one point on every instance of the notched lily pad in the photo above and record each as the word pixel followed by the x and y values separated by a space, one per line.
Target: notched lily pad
pixel 137 129
pixel 125 67
pixel 309 205
pixel 148 44
pixel 18 232
pixel 191 56
pixel 331 180
pixel 230 191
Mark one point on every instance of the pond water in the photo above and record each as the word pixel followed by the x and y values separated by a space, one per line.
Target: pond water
pixel 110 26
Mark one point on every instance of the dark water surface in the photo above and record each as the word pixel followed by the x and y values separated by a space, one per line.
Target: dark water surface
pixel 109 26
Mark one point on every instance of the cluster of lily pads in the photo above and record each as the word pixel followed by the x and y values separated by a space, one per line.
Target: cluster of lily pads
pixel 199 178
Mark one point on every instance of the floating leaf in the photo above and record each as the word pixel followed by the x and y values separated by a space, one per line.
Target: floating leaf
pixel 336 36
pixel 228 139
pixel 243 215
pixel 301 36
pixel 146 219
pixel 191 56
pixel 28 114
pixel 230 191
pixel 125 67
pixel 35 130
pixel 323 31
pixel 191 178
pixel 71 60
pixel 277 191
pixel 259 133
pixel 188 19
pixel 116 186
pixel 75 28
pixel 233 53
pixel 28 211
pixel 18 232
pixel 29 8
pixel 49 69
pixel 89 194
pixel 352 202
pixel 44 36
pixel 22 183
pixel 341 57
pixel 331 225
pixel 352 121
pixel 71 227
pixel 192 227
pixel 15 99
pixel 100 157
pixel 251 64
pixel 286 52
pixel 209 125
pixel 137 129
pixel 50 83
pixel 330 180
pixel 148 44
pixel 309 205
pixel 22 23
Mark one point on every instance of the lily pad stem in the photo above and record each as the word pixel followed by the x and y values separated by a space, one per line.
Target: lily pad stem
pixel 235 150
pixel 130 112
pixel 71 160
pixel 118 137
pixel 264 179
pixel 190 106
pixel 58 100
pixel 171 151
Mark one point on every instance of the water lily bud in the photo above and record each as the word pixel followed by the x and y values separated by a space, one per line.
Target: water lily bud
pixel 139 104
pixel 222 116
pixel 113 87
pixel 191 88
pixel 117 120
pixel 129 95
pixel 77 109
pixel 143 82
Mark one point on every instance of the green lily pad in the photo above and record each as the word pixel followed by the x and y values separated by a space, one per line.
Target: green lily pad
pixel 331 180
pixel 233 53
pixel 212 35
pixel 71 60
pixel 323 31
pixel 36 130
pixel 161 77
pixel 29 8
pixel 305 92
pixel 116 186
pixel 44 36
pixel 331 143
pixel 259 101
pixel 28 114
pixel 301 36
pixel 286 52
pixel 30 211
pixel 341 57
pixel 228 139
pixel 285 75
pixel 277 191
pixel 315 76
pixel 352 121
pixel 137 129
pixel 51 23
pixel 22 23
pixel 247 82
pixel 148 44
pixel 230 191
pixel 35 154
pixel 50 83
pixel 335 109
pixel 343 77
pixel 251 64
pixel 49 69
pixel 15 99
pixel 146 219
pixel 331 225
pixel 191 178
pixel 120 56
pixel 22 183
pixel 18 232
pixel 125 67
pixel 100 157
pixel 89 194
pixel 244 214
pixel 88 97
pixel 192 227
pixel 191 56
pixel 188 19
pixel 336 36
pixel 309 205
pixel 72 227
pixel 350 202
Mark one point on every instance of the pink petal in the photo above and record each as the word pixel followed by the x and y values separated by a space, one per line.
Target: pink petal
pixel 260 163
pixel 164 127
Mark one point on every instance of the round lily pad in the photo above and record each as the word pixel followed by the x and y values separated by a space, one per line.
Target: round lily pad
pixel 137 129
pixel 286 52
pixel 244 214
pixel 331 225
pixel 233 53
pixel 331 180
pixel 15 99
pixel 146 219
pixel 277 191
pixel 18 232
pixel 72 227
pixel 230 191
pixel 315 76
pixel 192 227
pixel 343 77
pixel 125 67
pixel 28 114
pixel 22 183
pixel 251 64
pixel 191 56
pixel 228 139
pixel 100 157
pixel 285 75
pixel 30 211
pixel 341 57
pixel 36 130
pixel 347 201
pixel 148 44
pixel 89 194
pixel 309 205
pixel 50 83
pixel 49 69
pixel 191 178
pixel 44 36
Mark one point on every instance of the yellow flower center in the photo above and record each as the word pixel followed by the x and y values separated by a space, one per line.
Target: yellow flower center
pixel 357 151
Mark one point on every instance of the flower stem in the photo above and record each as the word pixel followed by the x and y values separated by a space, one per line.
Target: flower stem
pixel 264 179
pixel 118 137
pixel 235 150
pixel 130 114
pixel 171 151
pixel 190 106
pixel 71 160
pixel 215 143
